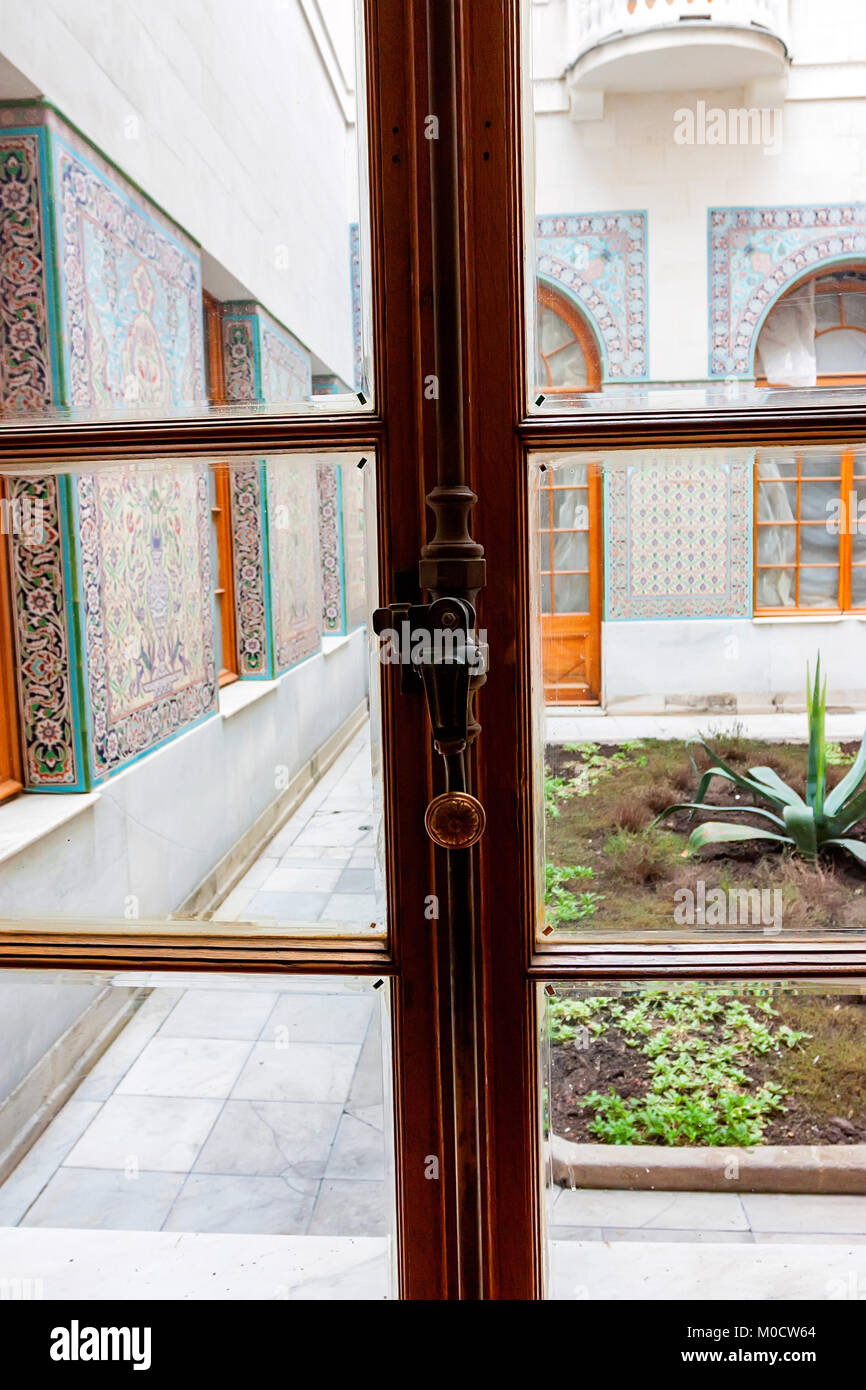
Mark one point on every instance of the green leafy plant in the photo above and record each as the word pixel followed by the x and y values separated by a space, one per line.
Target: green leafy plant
pixel 807 826
pixel 561 903
pixel 698 1045
pixel 556 789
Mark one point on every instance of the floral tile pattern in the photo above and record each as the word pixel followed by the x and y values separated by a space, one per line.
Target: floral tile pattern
pixel 756 254
pixel 600 261
pixel 130 294
pixel 148 629
pixel 295 573
pixel 679 540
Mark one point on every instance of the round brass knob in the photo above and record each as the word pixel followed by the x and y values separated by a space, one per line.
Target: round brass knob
pixel 455 820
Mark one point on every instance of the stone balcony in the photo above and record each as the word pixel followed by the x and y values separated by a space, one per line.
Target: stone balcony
pixel 675 45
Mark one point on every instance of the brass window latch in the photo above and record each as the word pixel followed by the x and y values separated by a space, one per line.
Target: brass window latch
pixel 441 654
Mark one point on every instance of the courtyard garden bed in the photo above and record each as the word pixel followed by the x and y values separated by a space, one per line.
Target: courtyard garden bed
pixel 694 1065
pixel 616 864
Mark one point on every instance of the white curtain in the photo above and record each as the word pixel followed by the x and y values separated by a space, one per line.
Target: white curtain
pixel 777 545
pixel 786 346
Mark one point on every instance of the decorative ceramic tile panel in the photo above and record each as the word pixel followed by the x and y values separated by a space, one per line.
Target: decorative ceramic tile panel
pixel 52 758
pixel 331 549
pixel 128 331
pixel 240 357
pixel 250 562
pixel 756 254
pixel 40 586
pixel 354 544
pixel 599 260
pixel 678 539
pixel 286 373
pixel 293 543
pixel 263 361
pixel 130 294
pixel 26 375
pixel 147 592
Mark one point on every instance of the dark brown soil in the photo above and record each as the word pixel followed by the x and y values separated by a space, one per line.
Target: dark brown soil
pixel 637 882
pixel 833 1082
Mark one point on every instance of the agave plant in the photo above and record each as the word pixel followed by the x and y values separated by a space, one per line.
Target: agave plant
pixel 809 825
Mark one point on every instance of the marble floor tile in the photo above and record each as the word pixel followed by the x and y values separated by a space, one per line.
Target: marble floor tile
pixel 363 908
pixel 709 1211
pixel 356 880
pixel 772 1211
pixel 358 1152
pixel 347 1207
pixel 298 877
pixel 219 1013
pixel 260 1138
pixel 180 1266
pixel 301 1071
pixel 203 1067
pixel 368 1083
pixel 240 1205
pixel 105 1199
pixel 27 1180
pixel 326 1018
pixel 666 1271
pixel 287 907
pixel 154 1133
pixel 115 1062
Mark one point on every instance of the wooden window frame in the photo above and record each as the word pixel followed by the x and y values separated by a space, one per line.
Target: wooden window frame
pixel 848 475
pixel 831 378
pixel 221 509
pixel 466 1080
pixel 11 773
pixel 549 298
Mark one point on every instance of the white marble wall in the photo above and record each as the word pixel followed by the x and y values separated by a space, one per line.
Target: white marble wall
pixel 238 120
pixel 35 1009
pixel 651 667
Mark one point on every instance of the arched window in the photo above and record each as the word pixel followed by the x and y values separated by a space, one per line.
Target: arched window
pixel 567 358
pixel 816 333
pixel 810 543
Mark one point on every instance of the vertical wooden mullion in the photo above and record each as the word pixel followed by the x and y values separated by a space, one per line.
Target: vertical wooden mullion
pixel 400 251
pixel 797 549
pixel 550 542
pixel 846 543
pixel 596 569
pixel 492 193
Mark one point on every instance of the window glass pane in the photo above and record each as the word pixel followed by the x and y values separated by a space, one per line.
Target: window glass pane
pixel 247 1114
pixel 680 204
pixel 183 209
pixel 775 588
pixel 692 1136
pixel 572 593
pixel 152 793
pixel 817 547
pixel 819 588
pixel 842 350
pixel 854 309
pixel 776 544
pixel 686 647
pixel 570 508
pixel 828 305
pixel 571 551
